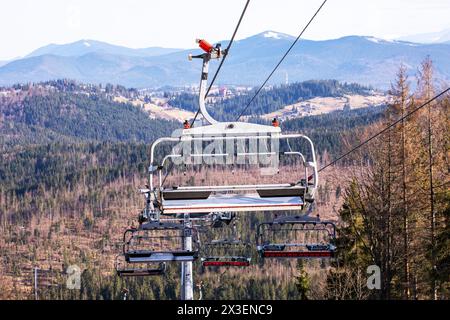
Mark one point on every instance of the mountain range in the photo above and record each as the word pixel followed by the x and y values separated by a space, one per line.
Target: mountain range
pixel 365 60
pixel 430 37
pixel 83 47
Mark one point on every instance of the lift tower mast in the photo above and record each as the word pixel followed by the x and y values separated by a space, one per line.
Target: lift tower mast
pixel 187 282
pixel 211 52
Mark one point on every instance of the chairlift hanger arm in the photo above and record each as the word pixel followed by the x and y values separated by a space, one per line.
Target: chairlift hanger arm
pixel 225 55
pixel 211 52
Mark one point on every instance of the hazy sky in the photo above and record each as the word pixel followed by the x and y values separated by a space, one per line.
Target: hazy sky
pixel 28 24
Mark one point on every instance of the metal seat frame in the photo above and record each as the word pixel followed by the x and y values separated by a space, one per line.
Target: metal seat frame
pixel 307 224
pixel 131 271
pixel 226 260
pixel 233 198
pixel 154 256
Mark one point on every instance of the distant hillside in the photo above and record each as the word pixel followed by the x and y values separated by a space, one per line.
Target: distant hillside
pixel 365 60
pixel 327 131
pixel 271 100
pixel 83 47
pixel 431 37
pixel 36 116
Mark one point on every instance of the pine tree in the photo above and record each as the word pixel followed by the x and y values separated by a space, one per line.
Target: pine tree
pixel 426 92
pixel 400 93
pixel 302 281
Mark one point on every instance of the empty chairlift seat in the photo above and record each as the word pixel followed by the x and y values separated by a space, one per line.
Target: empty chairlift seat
pixel 296 237
pixel 235 142
pixel 232 198
pixel 268 253
pixel 226 253
pixel 156 242
pixel 146 256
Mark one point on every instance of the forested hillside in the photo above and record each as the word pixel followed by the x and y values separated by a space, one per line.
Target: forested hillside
pixel 397 203
pixel 72 161
pixel 270 100
pixel 73 200
pixel 69 204
pixel 65 112
pixel 329 131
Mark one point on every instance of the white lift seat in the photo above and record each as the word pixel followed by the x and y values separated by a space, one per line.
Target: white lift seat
pixel 203 193
pixel 234 203
pixel 143 256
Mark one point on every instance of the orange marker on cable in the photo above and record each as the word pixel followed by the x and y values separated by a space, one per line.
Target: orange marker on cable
pixel 205 45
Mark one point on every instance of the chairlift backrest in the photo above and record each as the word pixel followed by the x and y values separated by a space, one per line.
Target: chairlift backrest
pixel 157 242
pixel 296 194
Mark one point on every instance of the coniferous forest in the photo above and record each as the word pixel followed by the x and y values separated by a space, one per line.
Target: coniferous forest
pixel 272 99
pixel 72 160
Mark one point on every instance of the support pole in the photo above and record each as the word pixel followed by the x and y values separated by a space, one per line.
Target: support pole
pixel 35 283
pixel 187 283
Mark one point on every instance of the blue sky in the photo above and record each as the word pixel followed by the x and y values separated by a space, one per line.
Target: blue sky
pixel 28 24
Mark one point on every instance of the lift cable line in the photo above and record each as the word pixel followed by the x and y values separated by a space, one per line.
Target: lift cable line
pixel 225 54
pixel 226 51
pixel 281 61
pixel 384 130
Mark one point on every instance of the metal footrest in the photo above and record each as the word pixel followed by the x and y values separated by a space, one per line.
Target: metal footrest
pixel 140 272
pixel 124 269
pixel 226 262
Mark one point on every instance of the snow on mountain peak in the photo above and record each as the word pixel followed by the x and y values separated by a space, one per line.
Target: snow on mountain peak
pixel 271 34
pixel 376 40
pixel 379 40
pixel 86 44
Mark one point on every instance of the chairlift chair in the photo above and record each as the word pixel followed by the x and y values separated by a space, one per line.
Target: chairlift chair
pixel 226 253
pixel 157 242
pixel 295 195
pixel 248 141
pixel 296 237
